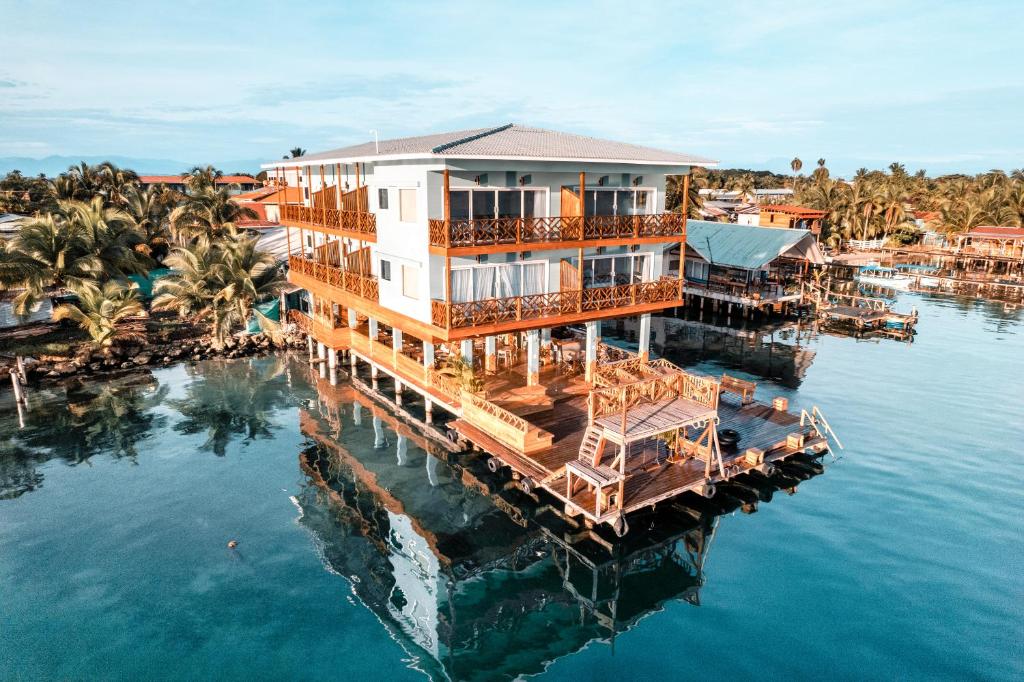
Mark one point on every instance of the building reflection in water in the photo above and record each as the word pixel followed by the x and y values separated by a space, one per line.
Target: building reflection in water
pixel 474 578
pixel 774 350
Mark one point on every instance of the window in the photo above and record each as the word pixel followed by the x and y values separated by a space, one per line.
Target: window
pixel 407 205
pixel 382 198
pixel 385 269
pixel 607 271
pixel 481 204
pixel 411 281
pixel 501 280
pixel 621 201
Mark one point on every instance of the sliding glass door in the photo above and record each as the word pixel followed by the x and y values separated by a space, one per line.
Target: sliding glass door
pixel 609 271
pixel 500 280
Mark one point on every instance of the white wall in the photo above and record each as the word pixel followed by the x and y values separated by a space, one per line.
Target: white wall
pixel 408 243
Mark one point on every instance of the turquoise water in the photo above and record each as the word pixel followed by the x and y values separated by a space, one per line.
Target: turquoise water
pixel 365 556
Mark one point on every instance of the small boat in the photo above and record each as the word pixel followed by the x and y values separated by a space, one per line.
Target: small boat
pixel 921 273
pixel 884 277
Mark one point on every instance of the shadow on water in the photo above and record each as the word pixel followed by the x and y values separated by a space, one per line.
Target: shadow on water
pixel 475 579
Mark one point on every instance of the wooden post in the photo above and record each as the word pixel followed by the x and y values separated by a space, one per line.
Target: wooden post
pixel 448 291
pixel 447 210
pixel 682 240
pixel 21 369
pixel 337 185
pixel 579 281
pixel 323 202
pixel 279 183
pixel 583 229
pixel 359 202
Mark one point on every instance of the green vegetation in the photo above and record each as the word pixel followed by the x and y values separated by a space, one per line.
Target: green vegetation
pixel 875 204
pixel 94 226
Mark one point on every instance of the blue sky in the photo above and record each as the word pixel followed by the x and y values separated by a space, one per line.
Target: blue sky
pixel 935 85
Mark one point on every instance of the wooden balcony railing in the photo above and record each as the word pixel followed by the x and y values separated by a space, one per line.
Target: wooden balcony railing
pixel 364 286
pixel 538 306
pixel 673 383
pixel 496 231
pixel 360 222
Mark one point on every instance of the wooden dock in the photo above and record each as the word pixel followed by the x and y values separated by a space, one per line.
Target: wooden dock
pixel 637 433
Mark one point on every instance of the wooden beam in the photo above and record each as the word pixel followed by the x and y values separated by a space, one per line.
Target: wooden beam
pixel 583 231
pixel 337 185
pixel 447 211
pixel 682 240
pixel 358 199
pixel 323 197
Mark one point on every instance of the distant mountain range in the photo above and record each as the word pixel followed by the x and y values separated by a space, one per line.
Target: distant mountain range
pixel 54 165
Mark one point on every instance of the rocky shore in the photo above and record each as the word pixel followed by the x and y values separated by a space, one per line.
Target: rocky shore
pixel 87 360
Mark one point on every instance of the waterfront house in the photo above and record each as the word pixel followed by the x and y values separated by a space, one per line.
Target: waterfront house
pixel 789 215
pixel 993 241
pixel 453 264
pixel 744 265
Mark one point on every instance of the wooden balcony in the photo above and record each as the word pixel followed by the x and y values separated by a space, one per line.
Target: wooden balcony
pixel 364 286
pixel 555 232
pixel 354 224
pixel 559 305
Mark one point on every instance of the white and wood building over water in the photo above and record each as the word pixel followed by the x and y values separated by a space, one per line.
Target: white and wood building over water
pixel 453 263
pixel 745 266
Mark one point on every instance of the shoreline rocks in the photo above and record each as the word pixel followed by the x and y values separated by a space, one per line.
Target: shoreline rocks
pixel 87 361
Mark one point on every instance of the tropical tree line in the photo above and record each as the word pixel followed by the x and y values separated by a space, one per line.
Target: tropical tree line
pixel 877 203
pixel 96 226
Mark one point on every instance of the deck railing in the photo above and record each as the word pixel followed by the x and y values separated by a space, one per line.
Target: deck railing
pixel 538 306
pixel 608 400
pixel 360 222
pixel 364 286
pixel 496 231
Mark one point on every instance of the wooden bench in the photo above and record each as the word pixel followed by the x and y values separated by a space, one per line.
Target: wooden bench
pixel 598 477
pixel 741 387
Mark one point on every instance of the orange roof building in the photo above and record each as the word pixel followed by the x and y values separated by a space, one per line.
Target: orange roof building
pixel 790 215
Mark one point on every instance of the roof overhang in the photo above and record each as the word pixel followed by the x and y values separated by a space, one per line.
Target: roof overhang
pixel 441 159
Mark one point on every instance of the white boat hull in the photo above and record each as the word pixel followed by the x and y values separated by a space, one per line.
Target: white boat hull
pixel 898 282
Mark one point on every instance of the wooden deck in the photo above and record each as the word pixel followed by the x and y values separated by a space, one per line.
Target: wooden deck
pixel 651 477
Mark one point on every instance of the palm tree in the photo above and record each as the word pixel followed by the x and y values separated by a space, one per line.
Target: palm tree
pixel 674 189
pixel 295 152
pixel 201 177
pixel 219 282
pixel 51 255
pixel 108 234
pixel 150 210
pixel 106 312
pixel 796 164
pixel 209 210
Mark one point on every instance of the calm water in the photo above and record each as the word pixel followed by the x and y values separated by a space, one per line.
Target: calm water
pixel 364 556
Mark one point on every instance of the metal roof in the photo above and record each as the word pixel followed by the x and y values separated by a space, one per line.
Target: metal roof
pixel 747 246
pixel 509 141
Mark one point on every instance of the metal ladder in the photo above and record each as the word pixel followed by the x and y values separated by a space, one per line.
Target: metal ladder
pixel 821 426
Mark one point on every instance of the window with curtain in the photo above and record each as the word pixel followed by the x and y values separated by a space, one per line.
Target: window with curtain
pixel 503 280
